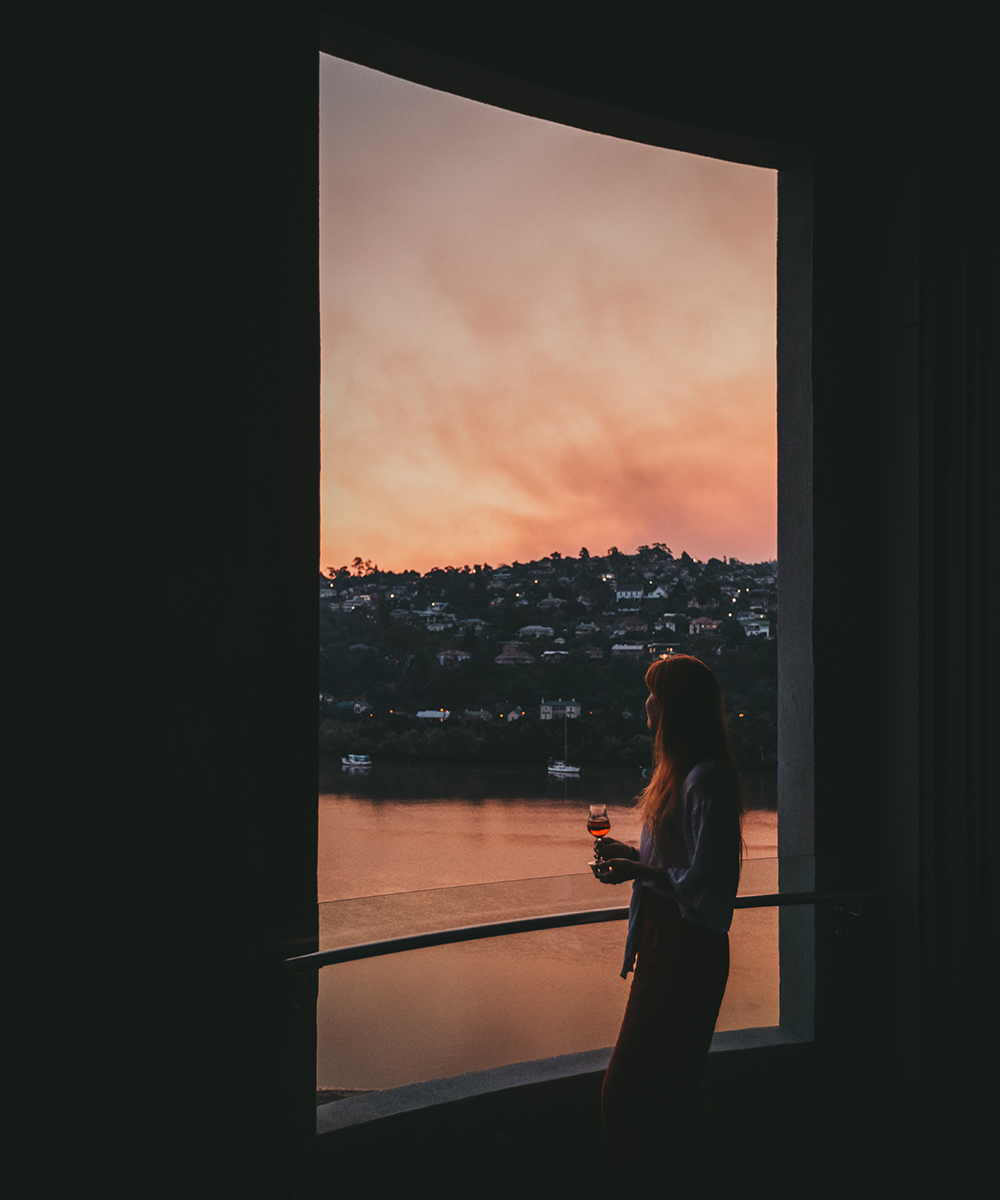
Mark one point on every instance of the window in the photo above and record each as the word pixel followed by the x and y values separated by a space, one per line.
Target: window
pixel 374 486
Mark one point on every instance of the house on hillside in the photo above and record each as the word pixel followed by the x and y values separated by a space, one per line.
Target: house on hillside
pixel 436 619
pixel 633 625
pixel 450 658
pixel 549 709
pixel 754 625
pixel 513 656
pixel 327 588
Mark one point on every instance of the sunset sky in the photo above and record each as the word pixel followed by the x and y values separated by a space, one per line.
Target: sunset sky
pixel 536 338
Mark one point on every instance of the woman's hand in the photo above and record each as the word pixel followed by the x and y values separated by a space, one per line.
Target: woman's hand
pixel 611 848
pixel 616 870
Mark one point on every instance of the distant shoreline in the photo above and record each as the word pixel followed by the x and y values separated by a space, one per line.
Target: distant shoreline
pixel 465 779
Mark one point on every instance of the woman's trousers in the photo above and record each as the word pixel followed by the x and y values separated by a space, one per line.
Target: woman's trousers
pixel 652 1101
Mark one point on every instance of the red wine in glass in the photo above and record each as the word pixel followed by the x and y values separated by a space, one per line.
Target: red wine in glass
pixel 598 823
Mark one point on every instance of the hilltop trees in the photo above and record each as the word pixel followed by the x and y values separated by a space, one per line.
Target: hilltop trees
pixel 383 638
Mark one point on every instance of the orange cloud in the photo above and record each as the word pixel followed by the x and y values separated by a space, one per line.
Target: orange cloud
pixel 536 338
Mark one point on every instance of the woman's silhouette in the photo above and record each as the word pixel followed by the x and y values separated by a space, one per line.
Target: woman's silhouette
pixel 685 875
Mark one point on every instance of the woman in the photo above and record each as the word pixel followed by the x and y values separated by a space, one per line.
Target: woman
pixel 685 875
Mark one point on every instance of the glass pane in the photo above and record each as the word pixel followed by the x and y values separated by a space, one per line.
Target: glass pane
pixel 501 348
pixel 428 1014
pixel 410 829
pixel 373 918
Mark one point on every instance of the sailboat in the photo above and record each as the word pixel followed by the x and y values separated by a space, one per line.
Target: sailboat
pixel 562 768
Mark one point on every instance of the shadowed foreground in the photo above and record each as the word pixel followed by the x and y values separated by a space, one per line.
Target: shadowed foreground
pixel 545 1139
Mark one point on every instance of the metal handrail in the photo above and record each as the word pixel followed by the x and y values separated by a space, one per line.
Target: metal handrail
pixel 593 916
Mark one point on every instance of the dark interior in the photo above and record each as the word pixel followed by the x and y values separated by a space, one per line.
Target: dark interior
pixel 202 145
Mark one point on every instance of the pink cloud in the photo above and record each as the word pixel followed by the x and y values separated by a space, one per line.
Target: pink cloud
pixel 535 338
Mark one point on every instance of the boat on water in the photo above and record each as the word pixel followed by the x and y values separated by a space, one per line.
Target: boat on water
pixel 561 768
pixel 356 764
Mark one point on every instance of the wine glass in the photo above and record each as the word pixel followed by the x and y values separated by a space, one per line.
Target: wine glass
pixel 598 823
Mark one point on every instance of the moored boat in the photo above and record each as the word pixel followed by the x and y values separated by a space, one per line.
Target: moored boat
pixel 356 764
pixel 561 768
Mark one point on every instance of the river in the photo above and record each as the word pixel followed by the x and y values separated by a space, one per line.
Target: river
pixel 412 847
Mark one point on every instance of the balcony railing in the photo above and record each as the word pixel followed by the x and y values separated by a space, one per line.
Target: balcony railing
pixel 449 1009
pixel 591 916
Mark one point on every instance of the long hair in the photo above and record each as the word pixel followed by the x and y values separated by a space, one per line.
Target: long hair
pixel 690 727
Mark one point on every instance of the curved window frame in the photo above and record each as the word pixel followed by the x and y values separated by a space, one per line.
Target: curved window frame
pixel 794 439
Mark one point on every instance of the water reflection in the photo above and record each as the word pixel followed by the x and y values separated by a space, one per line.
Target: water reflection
pixel 404 780
pixel 445 1010
pixel 409 827
pixel 399 840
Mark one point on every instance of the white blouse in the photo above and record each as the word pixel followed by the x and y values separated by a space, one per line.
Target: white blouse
pixel 706 871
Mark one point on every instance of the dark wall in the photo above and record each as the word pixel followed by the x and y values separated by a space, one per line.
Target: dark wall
pixel 176 247
pixel 197 210
pixel 237 546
